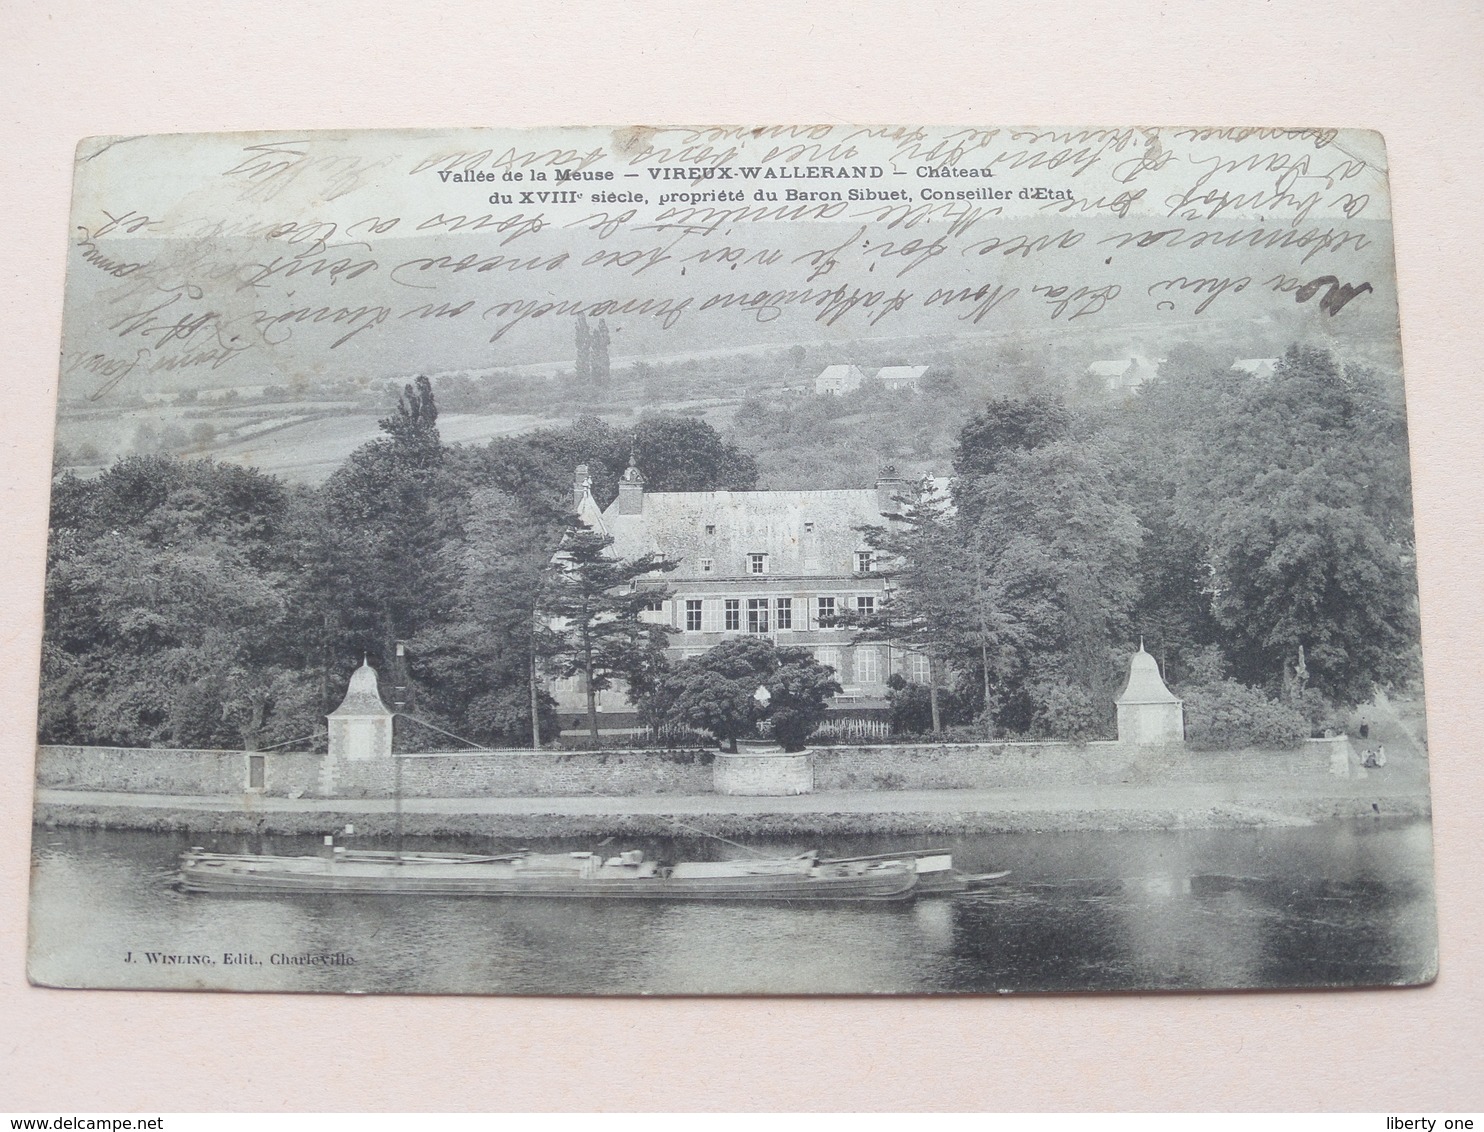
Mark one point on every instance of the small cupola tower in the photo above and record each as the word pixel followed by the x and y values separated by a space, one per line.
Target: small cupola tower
pixel 631 490
pixel 1148 712
pixel 361 727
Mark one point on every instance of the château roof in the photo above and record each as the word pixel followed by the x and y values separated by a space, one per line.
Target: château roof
pixel 1145 686
pixel 363 696
pixel 801 532
pixel 713 534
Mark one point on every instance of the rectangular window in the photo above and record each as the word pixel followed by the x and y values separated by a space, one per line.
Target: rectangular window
pixel 710 528
pixel 867 666
pixel 830 658
pixel 919 670
pixel 826 612
pixel 256 767
pixel 707 565
pixel 784 618
pixel 734 614
pixel 757 563
pixel 692 616
pixel 865 606
pixel 864 562
pixel 654 605
pixel 757 615
pixel 809 528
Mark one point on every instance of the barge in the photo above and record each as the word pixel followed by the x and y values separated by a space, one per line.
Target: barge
pixel 577 875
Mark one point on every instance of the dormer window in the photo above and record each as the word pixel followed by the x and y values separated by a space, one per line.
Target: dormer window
pixel 809 527
pixel 865 562
pixel 710 528
pixel 708 565
pixel 757 563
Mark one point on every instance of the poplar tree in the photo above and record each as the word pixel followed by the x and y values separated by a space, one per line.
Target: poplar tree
pixel 599 353
pixel 584 366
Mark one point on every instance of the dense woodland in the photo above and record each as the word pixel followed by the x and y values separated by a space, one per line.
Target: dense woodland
pixel 1255 533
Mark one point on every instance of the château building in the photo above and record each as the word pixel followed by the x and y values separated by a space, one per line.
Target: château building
pixel 784 565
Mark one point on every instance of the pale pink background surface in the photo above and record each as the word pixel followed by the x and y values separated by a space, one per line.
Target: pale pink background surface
pixel 1413 71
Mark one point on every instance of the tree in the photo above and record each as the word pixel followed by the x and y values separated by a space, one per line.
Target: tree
pixel 384 517
pixel 799 689
pixel 147 644
pixel 675 454
pixel 583 368
pixel 600 363
pixel 1058 545
pixel 725 706
pixel 687 454
pixel 1007 425
pixel 170 609
pixel 940 602
pixel 415 423
pixel 1305 523
pixel 911 707
pixel 718 691
pixel 593 608
pixel 481 664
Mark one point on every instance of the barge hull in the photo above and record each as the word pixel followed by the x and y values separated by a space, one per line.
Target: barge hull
pixel 879 885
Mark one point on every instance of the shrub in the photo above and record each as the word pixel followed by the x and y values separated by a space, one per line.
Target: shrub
pixel 1229 715
pixel 1316 710
pixel 1067 711
pixel 912 710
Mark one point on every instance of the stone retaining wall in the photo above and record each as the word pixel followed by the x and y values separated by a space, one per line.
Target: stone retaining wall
pixel 173 771
pixel 476 774
pixel 517 774
pixel 965 766
pixel 986 766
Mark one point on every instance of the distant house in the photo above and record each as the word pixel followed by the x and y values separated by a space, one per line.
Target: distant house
pixel 835 380
pixel 900 377
pixel 1257 367
pixel 1124 375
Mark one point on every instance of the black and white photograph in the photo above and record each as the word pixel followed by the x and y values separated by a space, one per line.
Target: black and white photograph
pixel 718 560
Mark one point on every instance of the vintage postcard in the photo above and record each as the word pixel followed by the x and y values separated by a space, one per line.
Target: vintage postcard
pixel 718 560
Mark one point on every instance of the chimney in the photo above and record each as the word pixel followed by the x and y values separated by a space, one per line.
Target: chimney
pixel 631 492
pixel 582 485
pixel 889 486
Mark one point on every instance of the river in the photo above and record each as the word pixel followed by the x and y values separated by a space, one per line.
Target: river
pixel 1342 904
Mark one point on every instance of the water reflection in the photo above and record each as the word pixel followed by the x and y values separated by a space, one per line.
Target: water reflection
pixel 1342 904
